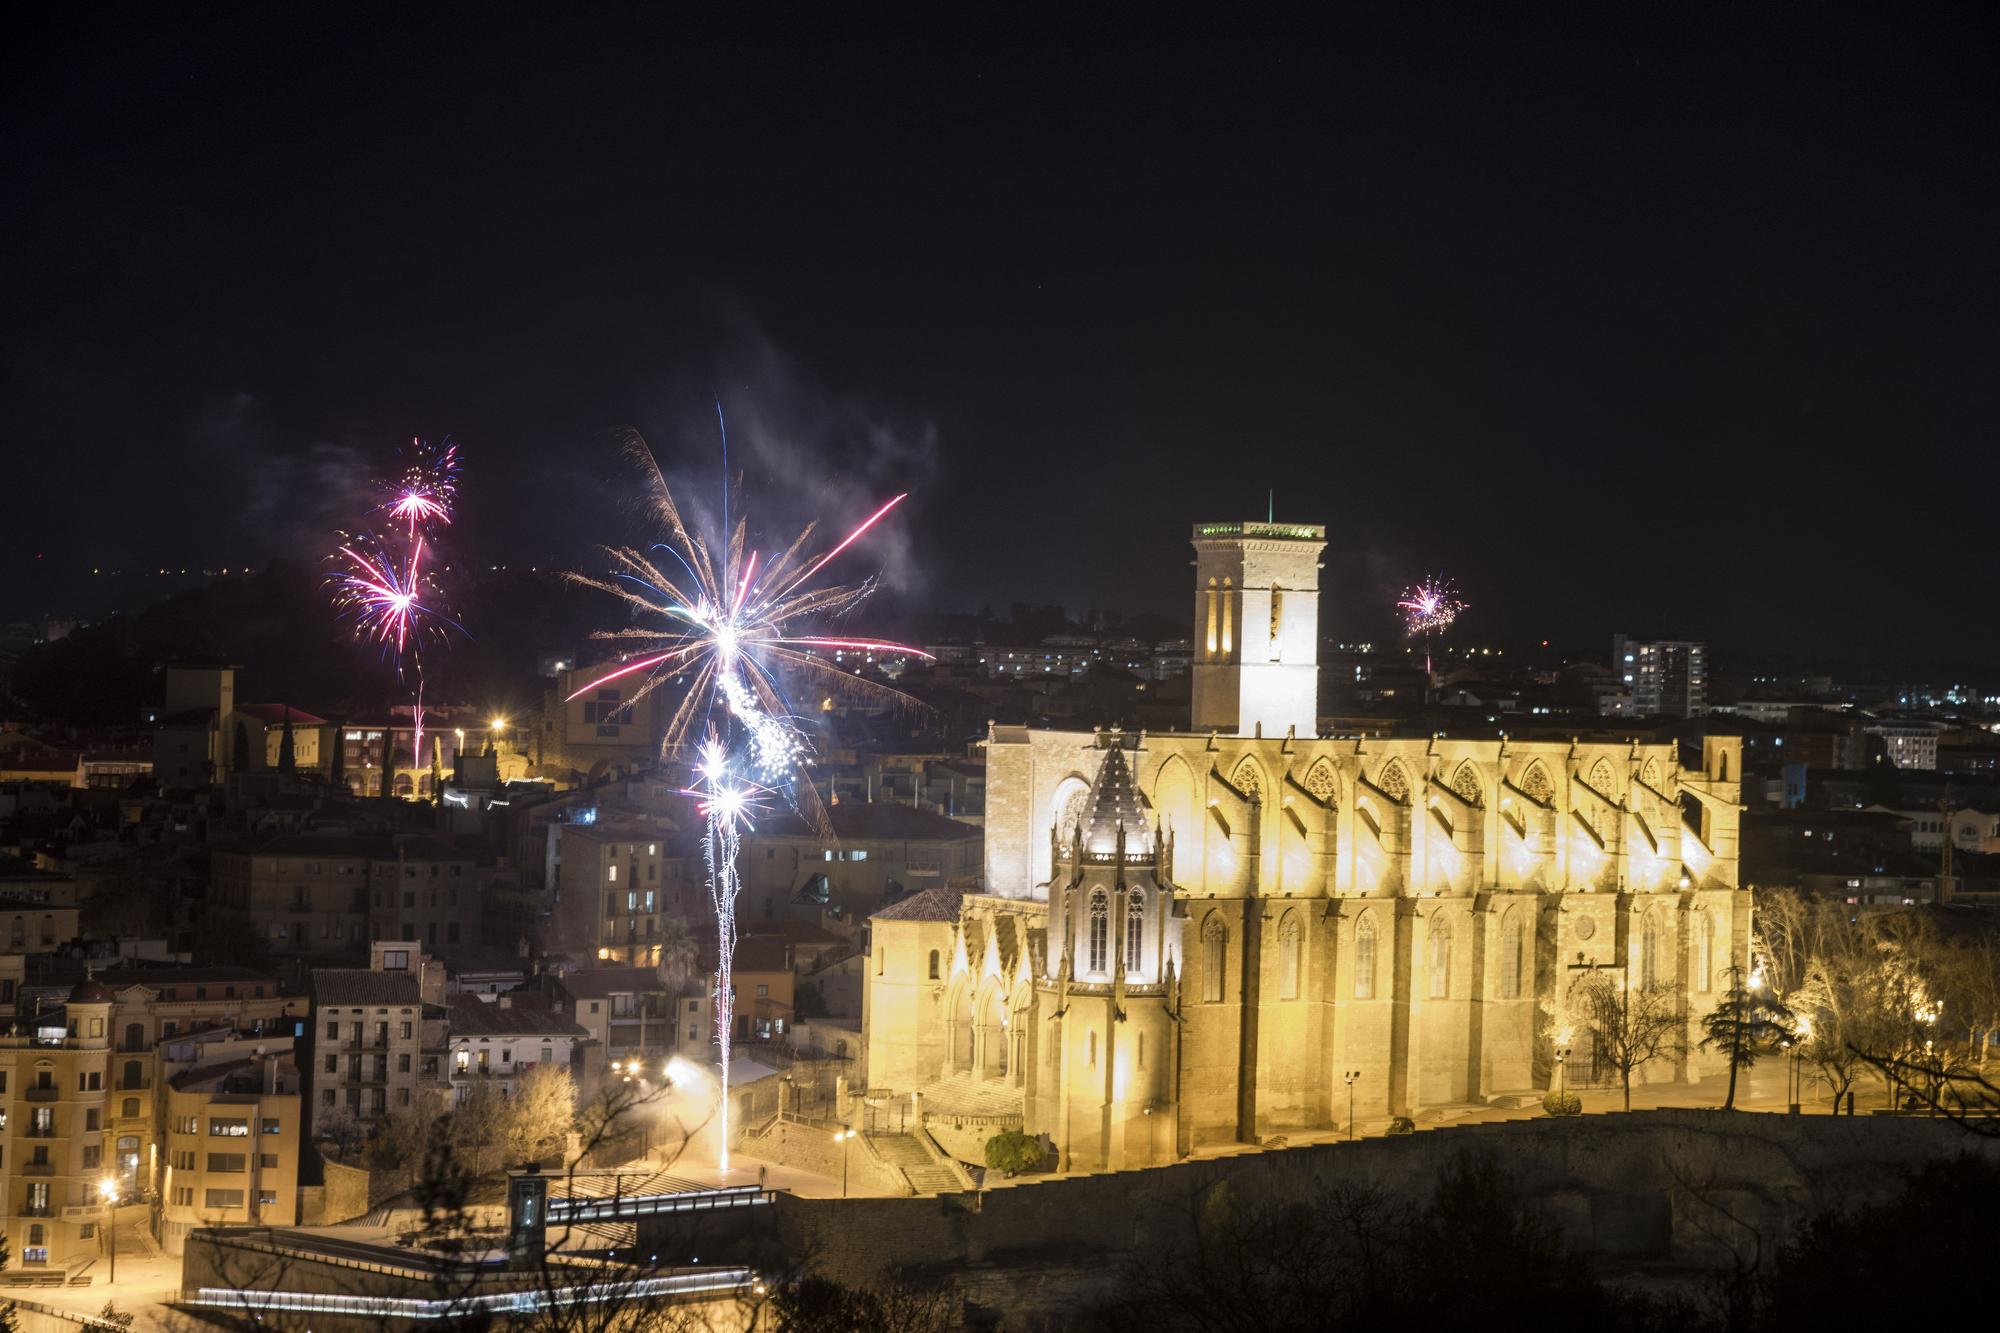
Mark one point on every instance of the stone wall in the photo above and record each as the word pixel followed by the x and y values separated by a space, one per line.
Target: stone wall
pixel 809 1148
pixel 1660 1187
pixel 343 1196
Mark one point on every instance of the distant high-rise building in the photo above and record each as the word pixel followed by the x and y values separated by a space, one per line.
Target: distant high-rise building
pixel 1667 677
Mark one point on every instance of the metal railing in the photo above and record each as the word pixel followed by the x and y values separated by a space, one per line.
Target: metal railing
pixel 597 1209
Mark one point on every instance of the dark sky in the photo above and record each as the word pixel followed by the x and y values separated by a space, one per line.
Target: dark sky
pixel 1646 319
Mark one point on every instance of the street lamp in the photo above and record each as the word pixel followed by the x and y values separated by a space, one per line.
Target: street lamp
pixel 108 1188
pixel 1351 1077
pixel 1562 1067
pixel 845 1138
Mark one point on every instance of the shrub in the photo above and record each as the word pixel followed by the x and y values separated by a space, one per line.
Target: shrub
pixel 1563 1103
pixel 1011 1152
pixel 1402 1124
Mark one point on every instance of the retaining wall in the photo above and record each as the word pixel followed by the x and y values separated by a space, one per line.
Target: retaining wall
pixel 1678 1186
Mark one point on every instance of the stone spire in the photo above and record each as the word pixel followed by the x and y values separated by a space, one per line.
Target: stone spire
pixel 1115 820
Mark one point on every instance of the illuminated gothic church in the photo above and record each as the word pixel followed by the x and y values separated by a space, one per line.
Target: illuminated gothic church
pixel 1192 938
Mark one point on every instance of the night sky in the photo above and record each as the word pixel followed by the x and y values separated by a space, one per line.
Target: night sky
pixel 1657 321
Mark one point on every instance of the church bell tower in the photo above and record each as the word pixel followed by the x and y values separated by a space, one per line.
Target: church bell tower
pixel 1256 627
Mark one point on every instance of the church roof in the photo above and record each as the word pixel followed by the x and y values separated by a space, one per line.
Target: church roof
pixel 928 905
pixel 1116 803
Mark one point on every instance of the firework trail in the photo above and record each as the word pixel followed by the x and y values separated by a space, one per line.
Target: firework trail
pixel 1429 608
pixel 727 625
pixel 384 581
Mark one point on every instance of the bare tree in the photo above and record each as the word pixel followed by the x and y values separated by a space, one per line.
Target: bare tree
pixel 1972 992
pixel 541 1113
pixel 1631 1026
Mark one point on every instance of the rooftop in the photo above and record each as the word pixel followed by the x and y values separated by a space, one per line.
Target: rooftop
pixel 1293 532
pixel 929 905
pixel 361 985
pixel 278 714
pixel 594 983
pixel 473 1017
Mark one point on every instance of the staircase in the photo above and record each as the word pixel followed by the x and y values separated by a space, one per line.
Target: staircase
pixel 925 1173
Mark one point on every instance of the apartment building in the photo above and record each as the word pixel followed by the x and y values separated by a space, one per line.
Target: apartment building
pixel 232 1140
pixel 626 1010
pixel 1667 677
pixel 155 1011
pixel 330 894
pixel 495 1043
pixel 54 1076
pixel 609 884
pixel 878 853
pixel 378 1037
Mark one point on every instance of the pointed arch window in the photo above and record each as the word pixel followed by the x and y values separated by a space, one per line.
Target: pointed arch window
pixel 1440 968
pixel 1535 784
pixel 1211 961
pixel 1290 946
pixel 1704 951
pixel 1649 951
pixel 1135 933
pixel 1393 783
pixel 1511 939
pixel 1100 932
pixel 1364 959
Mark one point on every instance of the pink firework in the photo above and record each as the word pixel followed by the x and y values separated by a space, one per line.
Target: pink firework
pixel 1430 606
pixel 428 487
pixel 392 600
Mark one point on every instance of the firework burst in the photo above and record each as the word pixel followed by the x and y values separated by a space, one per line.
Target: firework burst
pixel 385 582
pixel 728 625
pixel 1430 606
pixel 1429 609
pixel 428 487
pixel 391 598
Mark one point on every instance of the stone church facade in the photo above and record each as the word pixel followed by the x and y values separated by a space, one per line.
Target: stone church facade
pixel 1186 939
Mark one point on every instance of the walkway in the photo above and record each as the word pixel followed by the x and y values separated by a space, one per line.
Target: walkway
pixel 925 1173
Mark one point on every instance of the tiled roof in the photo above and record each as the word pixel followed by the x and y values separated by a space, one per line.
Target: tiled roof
pixel 597 982
pixel 275 714
pixel 474 1017
pixel 929 905
pixel 763 953
pixel 361 985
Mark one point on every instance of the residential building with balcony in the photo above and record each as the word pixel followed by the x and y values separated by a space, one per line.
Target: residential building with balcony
pixel 610 883
pixel 54 1077
pixel 232 1139
pixel 378 1038
pixel 625 1010
pixel 496 1043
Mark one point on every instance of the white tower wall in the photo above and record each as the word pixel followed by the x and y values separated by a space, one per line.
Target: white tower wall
pixel 1256 627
